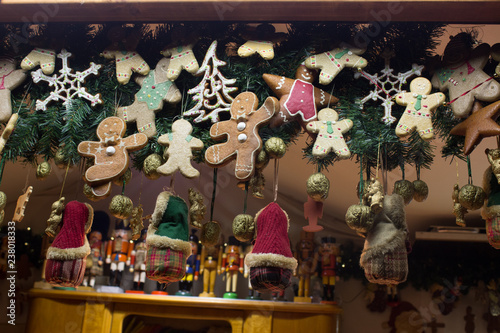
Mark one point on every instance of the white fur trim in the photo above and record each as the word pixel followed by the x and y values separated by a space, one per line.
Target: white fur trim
pixel 160 208
pixel 167 242
pixel 270 260
pixel 383 239
pixel 69 254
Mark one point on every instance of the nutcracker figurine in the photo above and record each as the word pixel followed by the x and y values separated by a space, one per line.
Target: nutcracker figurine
pixel 94 260
pixel 232 263
pixel 304 254
pixel 138 262
pixel 327 256
pixel 210 267
pixel 192 267
pixel 118 253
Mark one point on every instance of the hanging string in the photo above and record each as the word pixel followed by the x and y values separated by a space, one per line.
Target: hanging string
pixel 140 189
pixel 246 197
pixel 378 158
pixel 361 182
pixel 402 170
pixel 418 171
pixel 458 179
pixel 213 195
pixel 64 180
pixel 275 181
pixel 172 182
pixel 331 93
pixel 469 171
pixel 498 141
pixel 123 186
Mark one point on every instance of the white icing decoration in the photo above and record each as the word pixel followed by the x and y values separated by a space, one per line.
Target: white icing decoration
pixel 110 150
pixel 242 137
pixel 241 126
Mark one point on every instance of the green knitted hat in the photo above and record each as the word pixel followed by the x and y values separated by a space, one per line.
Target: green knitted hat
pixel 169 224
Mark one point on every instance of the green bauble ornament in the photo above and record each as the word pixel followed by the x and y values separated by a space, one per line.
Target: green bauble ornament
pixel 243 227
pixel 471 197
pixel 127 176
pixel 262 159
pixel 121 206
pixel 275 147
pixel 210 233
pixel 43 170
pixel 151 163
pixel 421 190
pixel 318 186
pixel 359 218
pixel 3 200
pixel 87 190
pixel 60 160
pixel 405 189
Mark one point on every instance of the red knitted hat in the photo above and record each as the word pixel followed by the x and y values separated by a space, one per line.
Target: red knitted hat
pixel 71 243
pixel 272 246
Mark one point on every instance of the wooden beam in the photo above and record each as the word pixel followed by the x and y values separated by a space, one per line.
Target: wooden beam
pixel 382 11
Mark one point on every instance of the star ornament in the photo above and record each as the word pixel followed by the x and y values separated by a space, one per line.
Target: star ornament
pixel 480 124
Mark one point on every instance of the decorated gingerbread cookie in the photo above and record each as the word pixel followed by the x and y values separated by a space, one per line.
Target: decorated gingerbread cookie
pixel 242 132
pixel 299 99
pixel 495 55
pixel 156 88
pixel 419 105
pixel 110 153
pixel 178 155
pixel 260 41
pixel 126 63
pixel 330 132
pixel 462 75
pixel 10 78
pixel 332 62
pixel 181 57
pixel 45 58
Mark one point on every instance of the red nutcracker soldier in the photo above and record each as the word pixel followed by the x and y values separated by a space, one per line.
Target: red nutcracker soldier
pixel 118 253
pixel 94 260
pixel 138 263
pixel 232 263
pixel 192 267
pixel 328 256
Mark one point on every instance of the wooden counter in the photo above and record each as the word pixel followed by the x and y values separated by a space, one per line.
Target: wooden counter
pixel 76 311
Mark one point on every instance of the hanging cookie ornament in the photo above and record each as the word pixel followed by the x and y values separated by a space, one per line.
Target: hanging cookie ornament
pixel 260 40
pixel 150 166
pixel 212 94
pixel 44 58
pixel 461 74
pixel 197 208
pixel 121 206
pixel 43 170
pixel 318 186
pixel 181 53
pixel 275 147
pixel 10 79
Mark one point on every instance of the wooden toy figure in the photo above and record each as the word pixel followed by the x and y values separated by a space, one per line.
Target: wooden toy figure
pixel 328 256
pixel 232 263
pixel 138 262
pixel 94 260
pixel 304 254
pixel 192 267
pixel 118 252
pixel 210 267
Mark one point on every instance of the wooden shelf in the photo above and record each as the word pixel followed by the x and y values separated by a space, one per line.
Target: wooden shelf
pixel 457 11
pixel 451 236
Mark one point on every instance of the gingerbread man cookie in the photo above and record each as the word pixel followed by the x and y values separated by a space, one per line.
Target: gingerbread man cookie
pixel 156 88
pixel 45 58
pixel 332 62
pixel 181 57
pixel 242 132
pixel 179 152
pixel 10 78
pixel 261 41
pixel 126 63
pixel 463 76
pixel 330 132
pixel 419 105
pixel 111 158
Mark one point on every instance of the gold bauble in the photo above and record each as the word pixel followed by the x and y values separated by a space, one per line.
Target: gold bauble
pixel 60 159
pixel 275 147
pixel 471 197
pixel 3 200
pixel 421 190
pixel 121 206
pixel 210 233
pixel 43 170
pixel 87 190
pixel 243 227
pixel 127 176
pixel 151 163
pixel 359 218
pixel 405 189
pixel 262 159
pixel 318 186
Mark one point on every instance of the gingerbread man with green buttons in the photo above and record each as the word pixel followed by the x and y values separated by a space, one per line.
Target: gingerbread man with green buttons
pixel 419 105
pixel 330 132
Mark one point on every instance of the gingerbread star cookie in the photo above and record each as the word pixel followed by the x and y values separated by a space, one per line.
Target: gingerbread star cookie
pixel 463 77
pixel 480 124
pixel 242 133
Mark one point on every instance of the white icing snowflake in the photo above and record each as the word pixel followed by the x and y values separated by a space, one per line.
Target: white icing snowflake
pixel 387 86
pixel 67 86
